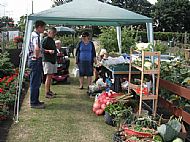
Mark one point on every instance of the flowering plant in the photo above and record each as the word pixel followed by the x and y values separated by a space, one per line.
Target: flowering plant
pixel 18 39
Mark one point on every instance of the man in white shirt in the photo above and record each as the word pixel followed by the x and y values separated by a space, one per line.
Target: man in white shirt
pixel 35 64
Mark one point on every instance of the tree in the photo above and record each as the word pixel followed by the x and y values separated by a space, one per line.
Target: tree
pixel 22 23
pixel 139 6
pixel 108 39
pixel 60 2
pixel 172 15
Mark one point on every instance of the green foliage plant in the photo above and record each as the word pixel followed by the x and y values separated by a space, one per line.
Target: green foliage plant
pixel 68 40
pixel 171 15
pixel 108 39
pixel 119 112
pixel 170 130
pixel 6 67
pixel 161 47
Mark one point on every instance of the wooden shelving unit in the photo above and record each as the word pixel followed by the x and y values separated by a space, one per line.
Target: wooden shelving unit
pixel 155 72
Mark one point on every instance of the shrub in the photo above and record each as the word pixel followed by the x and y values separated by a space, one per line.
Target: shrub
pixel 108 39
pixel 68 40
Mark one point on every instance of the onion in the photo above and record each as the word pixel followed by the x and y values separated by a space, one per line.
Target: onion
pixel 94 109
pixel 108 102
pixel 104 101
pixel 99 111
pixel 103 106
pixel 96 105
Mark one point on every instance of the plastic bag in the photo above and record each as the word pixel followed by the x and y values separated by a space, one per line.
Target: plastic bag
pixel 75 71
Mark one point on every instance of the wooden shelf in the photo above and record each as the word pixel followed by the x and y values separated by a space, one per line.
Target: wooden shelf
pixel 156 71
pixel 177 89
pixel 150 97
pixel 147 53
pixel 151 53
pixel 176 111
pixel 133 86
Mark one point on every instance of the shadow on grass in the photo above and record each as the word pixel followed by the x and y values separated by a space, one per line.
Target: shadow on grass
pixel 68 107
pixel 4 128
pixel 6 124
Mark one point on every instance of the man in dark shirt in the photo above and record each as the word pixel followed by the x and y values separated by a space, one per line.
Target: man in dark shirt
pixel 49 60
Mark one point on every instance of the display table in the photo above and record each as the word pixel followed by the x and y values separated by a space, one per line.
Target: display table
pixel 118 72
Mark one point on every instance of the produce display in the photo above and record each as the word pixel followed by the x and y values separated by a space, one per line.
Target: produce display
pixel 148 65
pixel 105 99
pixel 136 127
pixel 144 129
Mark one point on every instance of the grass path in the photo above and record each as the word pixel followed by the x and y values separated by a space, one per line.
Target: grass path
pixel 66 118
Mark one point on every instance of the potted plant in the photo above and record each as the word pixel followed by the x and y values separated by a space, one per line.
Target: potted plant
pixel 115 113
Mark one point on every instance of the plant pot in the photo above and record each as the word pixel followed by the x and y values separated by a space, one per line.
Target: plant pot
pixel 108 119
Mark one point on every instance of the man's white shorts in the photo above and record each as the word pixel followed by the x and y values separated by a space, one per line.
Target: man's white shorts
pixel 49 68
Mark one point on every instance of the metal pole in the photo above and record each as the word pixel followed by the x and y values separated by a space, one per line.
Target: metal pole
pixel 32 7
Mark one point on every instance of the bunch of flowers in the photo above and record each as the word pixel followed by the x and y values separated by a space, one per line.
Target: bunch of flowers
pixel 7 94
pixel 18 39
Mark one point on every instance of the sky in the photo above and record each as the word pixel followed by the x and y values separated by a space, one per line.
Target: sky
pixel 18 8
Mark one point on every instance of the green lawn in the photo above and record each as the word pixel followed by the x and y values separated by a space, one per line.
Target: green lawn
pixel 66 118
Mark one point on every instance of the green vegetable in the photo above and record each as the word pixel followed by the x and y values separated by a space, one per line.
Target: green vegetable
pixel 170 130
pixel 178 140
pixel 157 138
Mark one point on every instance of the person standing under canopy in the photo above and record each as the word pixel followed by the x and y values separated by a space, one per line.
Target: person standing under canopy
pixel 49 60
pixel 35 64
pixel 85 57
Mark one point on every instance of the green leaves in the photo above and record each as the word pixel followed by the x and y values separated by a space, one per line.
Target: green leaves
pixel 172 15
pixel 108 39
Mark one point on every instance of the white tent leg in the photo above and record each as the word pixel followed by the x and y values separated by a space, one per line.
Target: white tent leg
pixel 150 36
pixel 28 30
pixel 118 28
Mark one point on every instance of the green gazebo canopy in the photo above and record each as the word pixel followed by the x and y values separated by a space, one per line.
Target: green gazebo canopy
pixel 89 12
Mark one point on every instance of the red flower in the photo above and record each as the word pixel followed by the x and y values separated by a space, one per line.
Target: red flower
pixel 1 90
pixel 18 39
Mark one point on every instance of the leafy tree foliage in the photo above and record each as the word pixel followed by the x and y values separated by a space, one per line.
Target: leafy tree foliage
pixel 139 6
pixel 108 39
pixel 172 15
pixel 21 23
pixel 60 2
